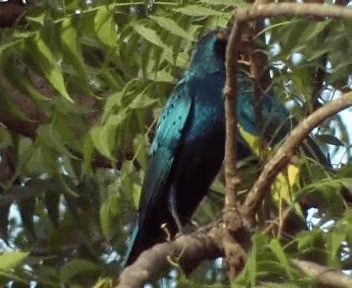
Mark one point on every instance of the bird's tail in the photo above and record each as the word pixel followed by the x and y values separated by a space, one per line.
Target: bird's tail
pixel 133 248
pixel 312 150
pixel 144 236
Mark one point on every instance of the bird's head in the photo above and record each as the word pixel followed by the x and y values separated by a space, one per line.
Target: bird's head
pixel 209 54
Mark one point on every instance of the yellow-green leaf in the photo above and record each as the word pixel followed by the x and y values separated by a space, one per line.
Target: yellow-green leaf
pixel 10 260
pixel 171 26
pixel 105 27
pixel 49 66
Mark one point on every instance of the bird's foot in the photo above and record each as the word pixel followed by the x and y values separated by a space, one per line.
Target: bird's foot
pixel 188 228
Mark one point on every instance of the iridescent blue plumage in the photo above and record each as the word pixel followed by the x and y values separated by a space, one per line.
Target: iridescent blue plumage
pixel 188 148
pixel 276 119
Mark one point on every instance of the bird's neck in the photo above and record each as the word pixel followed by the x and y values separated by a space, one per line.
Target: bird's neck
pixel 205 62
pixel 202 70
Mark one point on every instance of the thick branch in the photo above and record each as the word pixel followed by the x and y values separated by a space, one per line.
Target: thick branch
pixel 10 13
pixel 258 11
pixel 323 275
pixel 18 126
pixel 187 251
pixel 230 92
pixel 283 156
pixel 235 254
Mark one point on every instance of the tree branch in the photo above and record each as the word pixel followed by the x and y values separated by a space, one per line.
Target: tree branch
pixel 186 251
pixel 29 129
pixel 283 156
pixel 230 93
pixel 233 224
pixel 323 275
pixel 258 11
pixel 10 13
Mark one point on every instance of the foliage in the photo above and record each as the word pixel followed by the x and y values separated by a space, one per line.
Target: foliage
pixel 82 85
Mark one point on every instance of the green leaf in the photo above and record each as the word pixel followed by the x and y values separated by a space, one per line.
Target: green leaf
pixel 18 74
pixel 314 29
pixel 317 53
pixel 105 27
pixel 307 240
pixel 162 76
pixel 10 260
pixel 112 103
pixel 104 136
pixel 104 283
pixel 275 246
pixel 100 142
pixel 335 240
pixel 11 44
pixel 9 106
pixel 330 139
pixel 171 26
pixel 142 100
pixel 252 265
pixel 70 46
pixel 24 84
pixel 77 267
pixel 150 35
pixel 109 216
pixel 42 57
pixel 36 19
pixel 5 138
pixel 248 276
pixel 141 150
pixel 196 10
pixel 48 136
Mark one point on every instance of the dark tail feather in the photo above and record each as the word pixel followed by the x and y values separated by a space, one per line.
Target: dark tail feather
pixel 312 150
pixel 143 237
pixel 133 249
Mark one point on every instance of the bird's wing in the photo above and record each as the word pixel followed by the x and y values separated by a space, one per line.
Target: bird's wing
pixel 277 124
pixel 168 137
pixel 275 117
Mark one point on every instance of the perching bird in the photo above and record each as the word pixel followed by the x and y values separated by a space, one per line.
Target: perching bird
pixel 188 148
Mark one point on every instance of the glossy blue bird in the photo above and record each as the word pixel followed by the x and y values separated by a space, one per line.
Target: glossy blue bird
pixel 188 148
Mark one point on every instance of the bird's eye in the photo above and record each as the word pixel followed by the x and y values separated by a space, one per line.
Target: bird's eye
pixel 220 36
pixel 223 35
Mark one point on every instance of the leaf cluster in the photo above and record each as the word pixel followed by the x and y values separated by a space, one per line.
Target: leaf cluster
pixel 81 88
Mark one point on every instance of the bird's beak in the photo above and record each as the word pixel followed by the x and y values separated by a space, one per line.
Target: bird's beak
pixel 223 35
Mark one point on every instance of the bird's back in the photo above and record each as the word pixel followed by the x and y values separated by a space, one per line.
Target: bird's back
pixel 186 154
